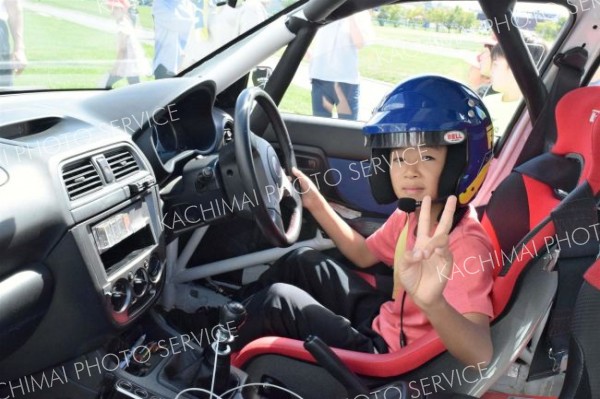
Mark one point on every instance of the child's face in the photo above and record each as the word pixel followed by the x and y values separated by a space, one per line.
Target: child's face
pixel 416 171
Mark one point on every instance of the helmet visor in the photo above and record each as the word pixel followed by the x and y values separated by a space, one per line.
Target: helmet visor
pixel 415 139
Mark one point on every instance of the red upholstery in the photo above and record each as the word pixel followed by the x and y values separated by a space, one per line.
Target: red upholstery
pixel 384 365
pixel 503 286
pixel 536 193
pixel 578 124
pixel 574 121
pixel 487 225
pixel 539 200
pixel 578 113
pixel 369 278
pixel 592 275
pixel 594 171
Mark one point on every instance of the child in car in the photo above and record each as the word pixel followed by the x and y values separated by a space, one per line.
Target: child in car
pixel 432 137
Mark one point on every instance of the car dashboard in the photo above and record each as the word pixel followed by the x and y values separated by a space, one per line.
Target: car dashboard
pixel 81 222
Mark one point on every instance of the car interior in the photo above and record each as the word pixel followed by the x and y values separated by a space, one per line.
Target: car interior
pixel 132 218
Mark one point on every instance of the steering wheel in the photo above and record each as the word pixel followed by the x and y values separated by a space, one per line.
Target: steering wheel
pixel 262 175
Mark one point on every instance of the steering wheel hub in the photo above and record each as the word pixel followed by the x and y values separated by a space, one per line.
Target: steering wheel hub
pixel 254 170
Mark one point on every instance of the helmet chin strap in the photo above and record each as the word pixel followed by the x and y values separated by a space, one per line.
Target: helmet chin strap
pixel 409 205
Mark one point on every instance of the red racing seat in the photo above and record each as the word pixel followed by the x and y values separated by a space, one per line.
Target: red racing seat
pixel 518 220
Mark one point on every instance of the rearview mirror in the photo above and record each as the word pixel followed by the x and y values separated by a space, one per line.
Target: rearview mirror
pixel 260 76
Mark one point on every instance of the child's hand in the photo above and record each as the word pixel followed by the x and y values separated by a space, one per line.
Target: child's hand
pixel 311 197
pixel 422 270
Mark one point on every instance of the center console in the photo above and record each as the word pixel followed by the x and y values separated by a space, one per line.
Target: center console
pixel 120 236
pixel 121 243
pixel 124 256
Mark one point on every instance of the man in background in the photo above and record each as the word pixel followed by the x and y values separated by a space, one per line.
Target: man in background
pixel 334 66
pixel 174 21
pixel 12 58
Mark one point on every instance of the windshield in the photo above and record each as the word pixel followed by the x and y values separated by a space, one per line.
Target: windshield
pixel 68 44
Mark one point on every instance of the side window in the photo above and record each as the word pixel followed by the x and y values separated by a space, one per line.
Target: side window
pixel 499 89
pixel 595 80
pixel 354 62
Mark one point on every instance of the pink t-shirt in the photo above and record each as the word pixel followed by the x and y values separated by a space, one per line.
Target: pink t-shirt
pixel 469 283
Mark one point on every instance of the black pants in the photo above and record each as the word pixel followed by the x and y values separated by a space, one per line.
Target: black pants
pixel 307 293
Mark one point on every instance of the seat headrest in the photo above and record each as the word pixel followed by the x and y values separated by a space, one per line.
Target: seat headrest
pixel 578 127
pixel 594 173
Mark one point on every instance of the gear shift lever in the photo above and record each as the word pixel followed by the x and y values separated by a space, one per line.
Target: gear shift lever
pixel 232 313
pixel 215 369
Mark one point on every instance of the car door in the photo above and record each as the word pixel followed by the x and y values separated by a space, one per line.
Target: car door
pixel 453 39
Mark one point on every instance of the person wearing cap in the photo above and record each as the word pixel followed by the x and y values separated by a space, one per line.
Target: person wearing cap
pixel 130 62
pixel 431 138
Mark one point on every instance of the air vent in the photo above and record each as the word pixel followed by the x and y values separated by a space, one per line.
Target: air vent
pixel 81 178
pixel 122 163
pixel 228 133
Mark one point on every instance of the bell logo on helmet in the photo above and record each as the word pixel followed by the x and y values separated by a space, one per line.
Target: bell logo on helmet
pixel 454 137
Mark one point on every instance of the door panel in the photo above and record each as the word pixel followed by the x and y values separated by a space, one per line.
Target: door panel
pixel 333 152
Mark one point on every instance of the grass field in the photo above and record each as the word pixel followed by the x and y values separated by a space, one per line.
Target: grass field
pixel 85 54
pixel 49 39
pixel 98 8
pixel 94 7
pixel 390 64
pixel 296 101
pixel 428 37
pixel 472 42
pixel 386 64
pixel 89 54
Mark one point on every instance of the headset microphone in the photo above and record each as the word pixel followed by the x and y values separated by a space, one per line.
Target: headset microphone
pixel 409 205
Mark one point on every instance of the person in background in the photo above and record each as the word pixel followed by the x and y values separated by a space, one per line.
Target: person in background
pixel 333 66
pixel 503 104
pixel 224 23
pixel 480 67
pixel 133 12
pixel 130 62
pixel 174 22
pixel 12 58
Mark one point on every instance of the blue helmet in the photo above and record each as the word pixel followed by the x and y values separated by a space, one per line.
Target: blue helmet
pixel 433 110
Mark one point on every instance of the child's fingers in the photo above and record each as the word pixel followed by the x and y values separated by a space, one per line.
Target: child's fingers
pixel 439 241
pixel 445 224
pixel 424 217
pixel 412 257
pixel 301 179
